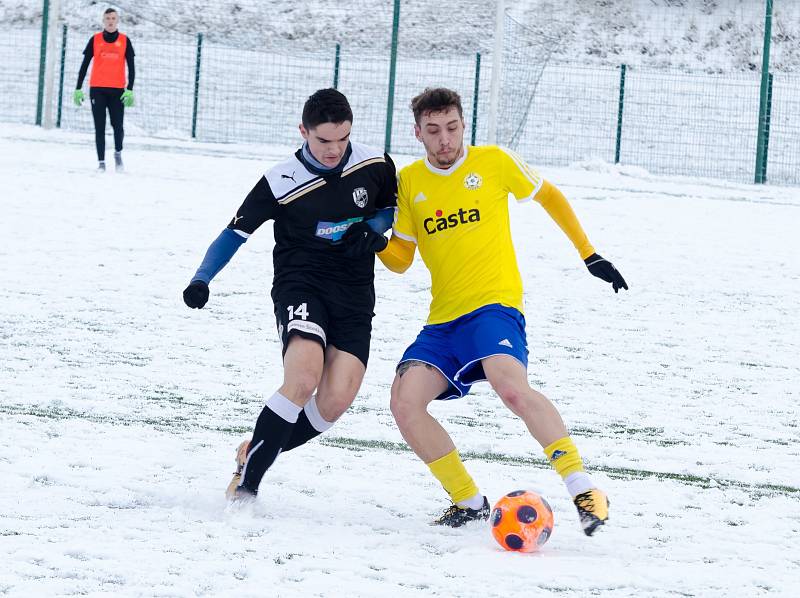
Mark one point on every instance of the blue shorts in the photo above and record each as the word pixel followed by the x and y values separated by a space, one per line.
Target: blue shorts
pixel 456 348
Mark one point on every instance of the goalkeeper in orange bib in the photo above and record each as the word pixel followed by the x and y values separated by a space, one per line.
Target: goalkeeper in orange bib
pixel 453 207
pixel 108 90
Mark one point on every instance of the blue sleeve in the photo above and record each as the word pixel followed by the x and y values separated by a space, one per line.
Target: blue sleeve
pixel 382 220
pixel 219 253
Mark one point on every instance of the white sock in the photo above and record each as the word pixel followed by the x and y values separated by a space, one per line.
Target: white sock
pixel 578 483
pixel 284 408
pixel 319 423
pixel 474 502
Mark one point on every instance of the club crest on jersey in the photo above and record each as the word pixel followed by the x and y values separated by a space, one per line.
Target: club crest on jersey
pixel 360 197
pixel 473 181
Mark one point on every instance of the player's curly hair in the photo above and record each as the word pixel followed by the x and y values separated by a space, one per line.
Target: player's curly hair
pixel 436 99
pixel 326 106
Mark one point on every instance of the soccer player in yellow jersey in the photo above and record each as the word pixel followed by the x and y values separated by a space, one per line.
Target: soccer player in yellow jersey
pixel 453 207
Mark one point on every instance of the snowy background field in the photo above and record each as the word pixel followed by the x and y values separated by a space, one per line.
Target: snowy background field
pixel 121 408
pixel 691 89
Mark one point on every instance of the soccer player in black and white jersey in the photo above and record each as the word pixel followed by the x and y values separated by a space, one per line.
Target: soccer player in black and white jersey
pixel 322 289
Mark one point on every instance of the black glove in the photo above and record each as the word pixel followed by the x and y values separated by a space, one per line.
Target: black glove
pixel 360 240
pixel 605 270
pixel 196 294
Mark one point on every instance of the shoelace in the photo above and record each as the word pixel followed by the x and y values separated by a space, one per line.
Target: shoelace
pixel 585 502
pixel 449 513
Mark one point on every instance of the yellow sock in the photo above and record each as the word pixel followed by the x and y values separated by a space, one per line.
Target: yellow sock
pixel 452 474
pixel 564 457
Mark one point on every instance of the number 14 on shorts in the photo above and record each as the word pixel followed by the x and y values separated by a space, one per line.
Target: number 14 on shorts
pixel 301 311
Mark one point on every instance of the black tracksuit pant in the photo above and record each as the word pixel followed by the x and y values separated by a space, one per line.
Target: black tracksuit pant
pixel 107 98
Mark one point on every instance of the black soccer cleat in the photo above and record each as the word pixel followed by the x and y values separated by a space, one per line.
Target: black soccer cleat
pixel 456 516
pixel 118 165
pixel 101 166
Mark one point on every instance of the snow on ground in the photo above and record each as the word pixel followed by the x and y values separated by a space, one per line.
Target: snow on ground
pixel 121 408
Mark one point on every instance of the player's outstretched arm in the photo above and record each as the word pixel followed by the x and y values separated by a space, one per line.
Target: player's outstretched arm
pixel 258 207
pixel 552 200
pixel 219 253
pixel 557 206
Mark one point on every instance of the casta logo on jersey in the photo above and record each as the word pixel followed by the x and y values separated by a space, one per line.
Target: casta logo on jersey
pixel 442 222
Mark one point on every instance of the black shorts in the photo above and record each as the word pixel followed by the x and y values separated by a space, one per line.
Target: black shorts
pixel 334 315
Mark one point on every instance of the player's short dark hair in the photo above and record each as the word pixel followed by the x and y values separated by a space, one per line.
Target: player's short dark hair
pixel 436 99
pixel 326 106
pixel 109 10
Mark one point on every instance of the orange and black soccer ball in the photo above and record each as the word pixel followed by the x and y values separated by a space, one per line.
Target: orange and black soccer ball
pixel 522 521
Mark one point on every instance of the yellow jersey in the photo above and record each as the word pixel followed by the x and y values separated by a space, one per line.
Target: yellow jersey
pixel 458 218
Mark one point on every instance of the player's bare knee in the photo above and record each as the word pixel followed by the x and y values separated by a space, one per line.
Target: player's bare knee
pixel 332 405
pixel 402 406
pixel 299 387
pixel 515 398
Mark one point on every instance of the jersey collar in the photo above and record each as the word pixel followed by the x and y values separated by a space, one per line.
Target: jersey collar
pixel 314 166
pixel 447 171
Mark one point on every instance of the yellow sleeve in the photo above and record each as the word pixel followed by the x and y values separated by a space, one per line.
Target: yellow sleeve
pixel 519 179
pixel 559 209
pixel 398 254
pixel 403 221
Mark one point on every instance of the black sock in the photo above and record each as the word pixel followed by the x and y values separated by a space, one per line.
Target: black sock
pixel 302 432
pixel 269 437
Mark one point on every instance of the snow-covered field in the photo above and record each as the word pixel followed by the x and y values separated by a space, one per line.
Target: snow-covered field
pixel 121 408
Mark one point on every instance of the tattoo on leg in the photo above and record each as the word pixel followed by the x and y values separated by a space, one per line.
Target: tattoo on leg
pixel 407 365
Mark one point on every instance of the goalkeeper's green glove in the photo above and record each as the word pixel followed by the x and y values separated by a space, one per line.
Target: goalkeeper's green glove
pixel 77 97
pixel 127 98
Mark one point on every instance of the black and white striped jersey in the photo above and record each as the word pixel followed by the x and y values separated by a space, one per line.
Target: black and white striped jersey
pixel 313 211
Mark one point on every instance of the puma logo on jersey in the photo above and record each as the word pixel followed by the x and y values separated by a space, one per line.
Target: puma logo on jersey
pixel 290 177
pixel 434 225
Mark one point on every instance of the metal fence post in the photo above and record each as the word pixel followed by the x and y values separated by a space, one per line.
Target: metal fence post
pixel 197 83
pixel 497 72
pixel 336 67
pixel 767 119
pixel 475 97
pixel 622 69
pixel 761 158
pixel 61 74
pixel 42 61
pixel 392 72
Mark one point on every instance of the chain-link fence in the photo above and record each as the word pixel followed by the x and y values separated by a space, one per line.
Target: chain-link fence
pixel 220 88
